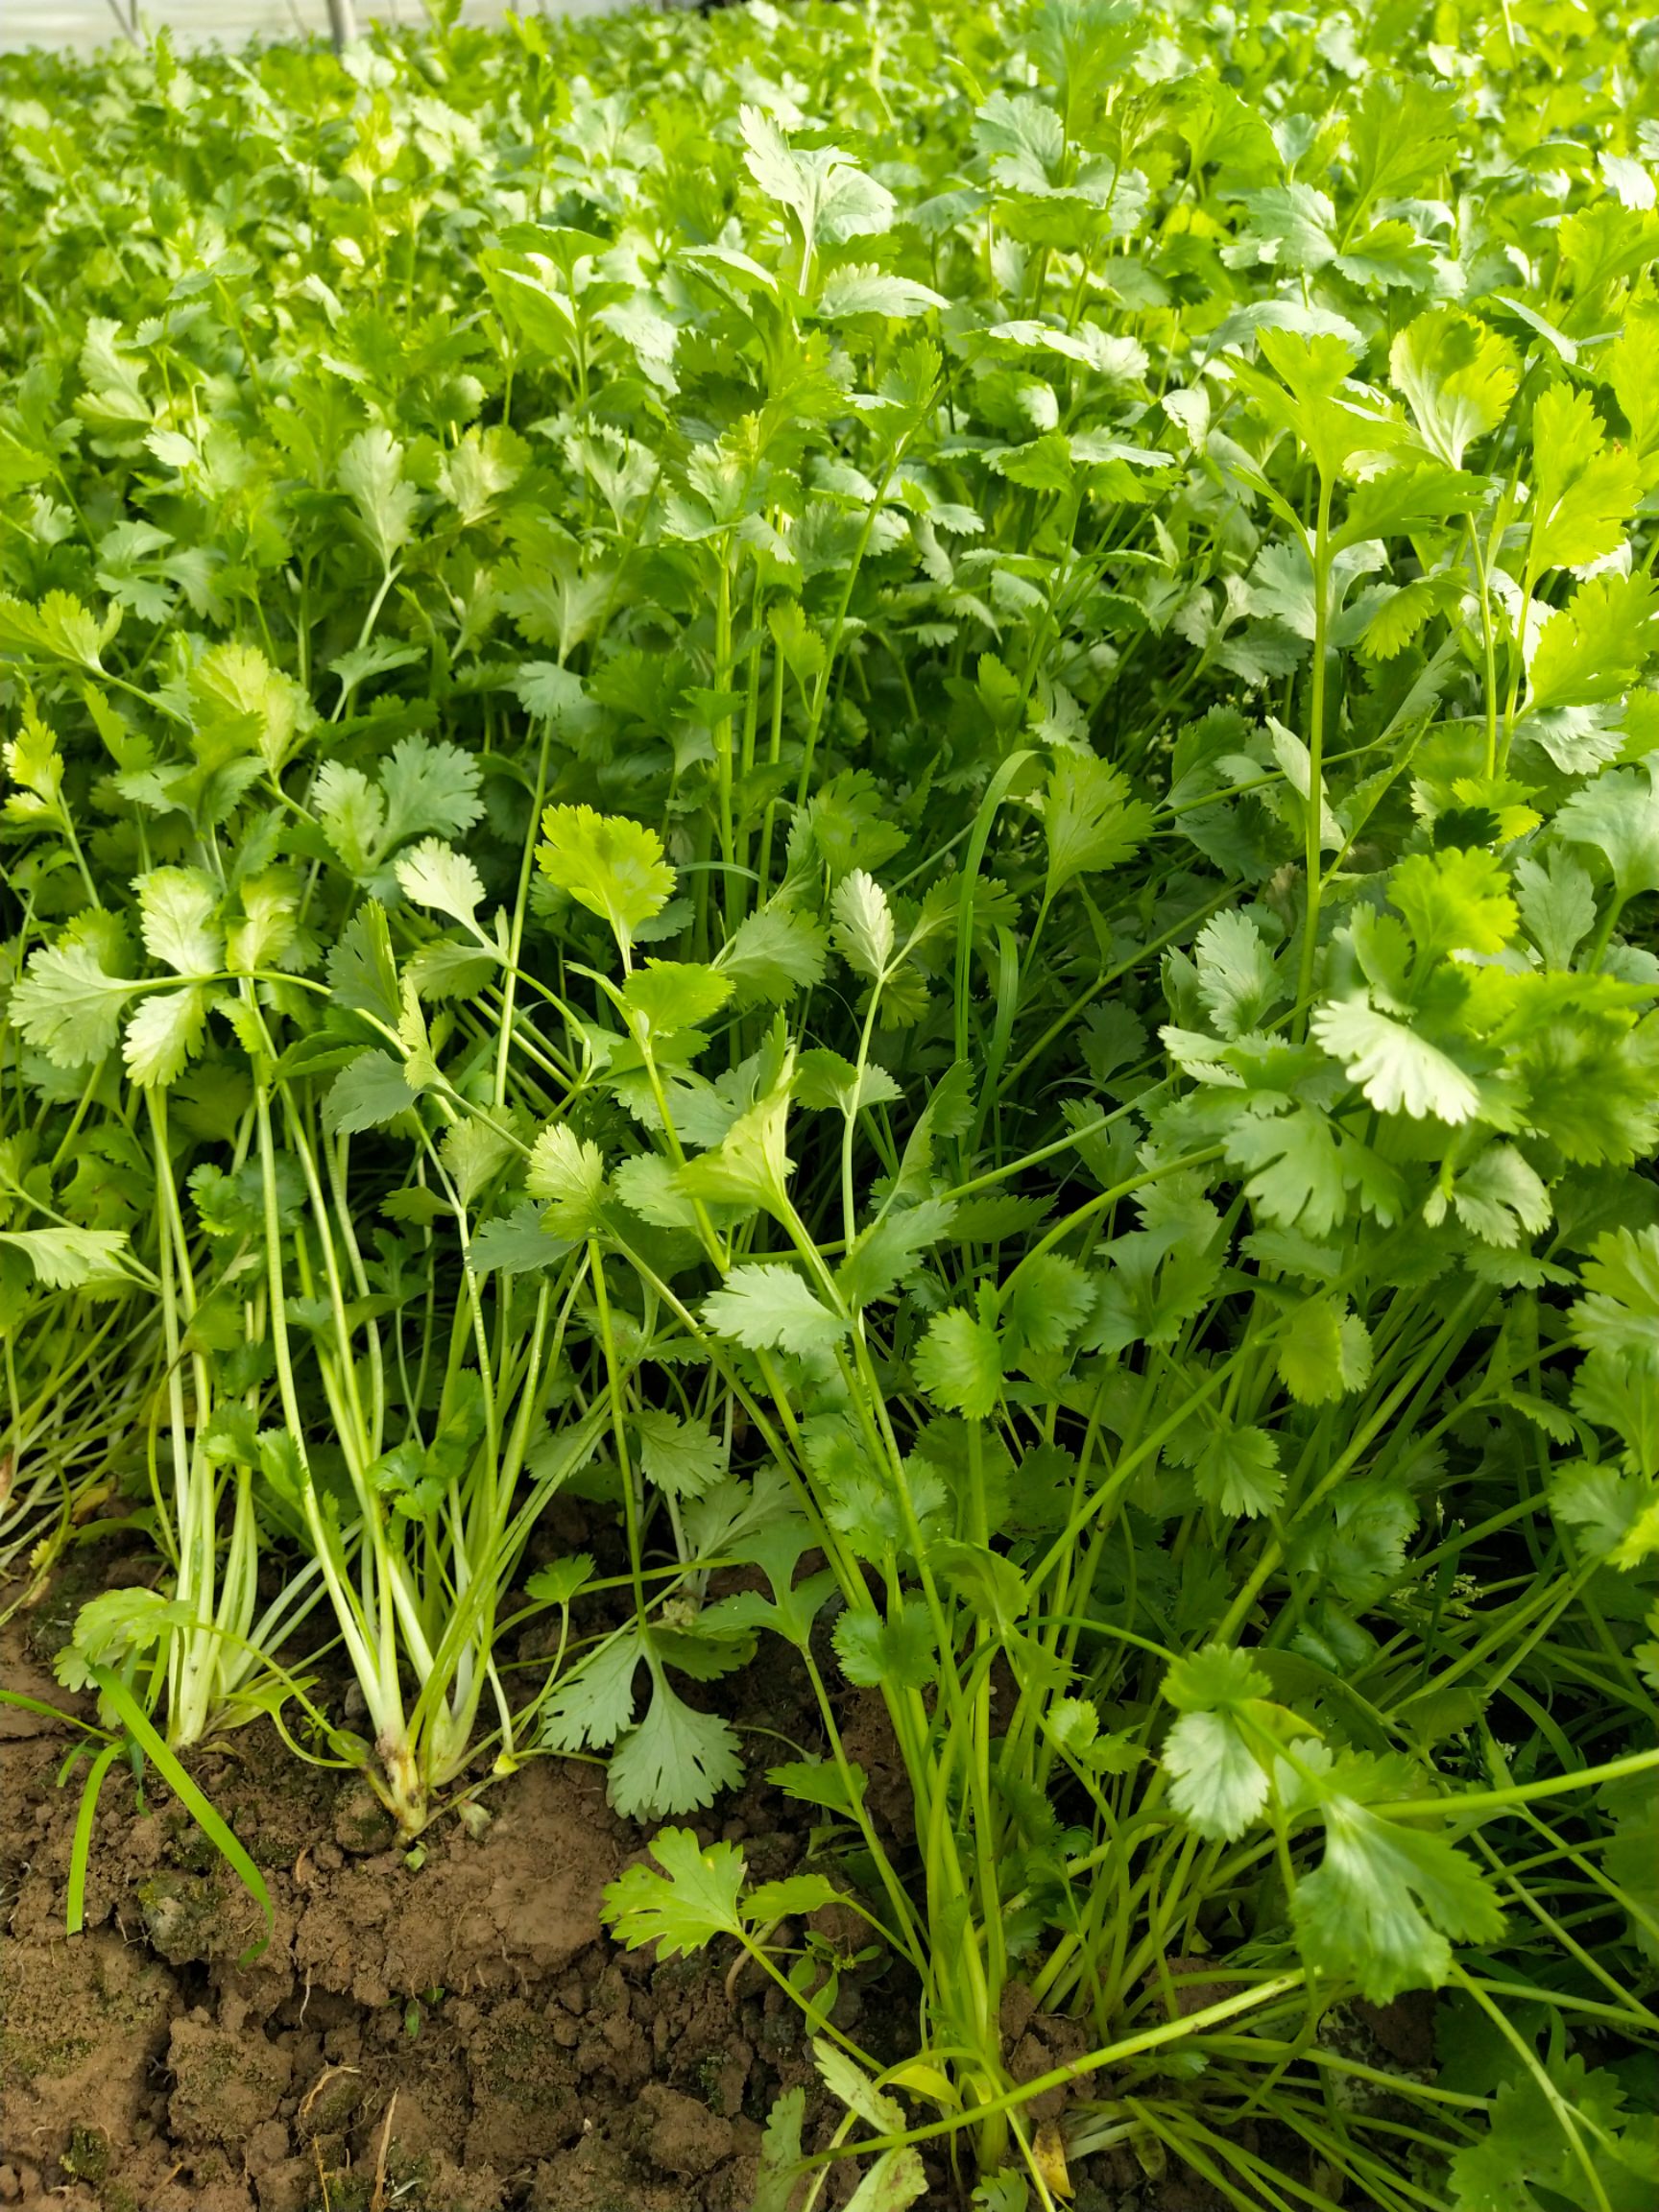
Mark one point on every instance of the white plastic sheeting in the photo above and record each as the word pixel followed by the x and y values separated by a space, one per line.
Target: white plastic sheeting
pixel 88 23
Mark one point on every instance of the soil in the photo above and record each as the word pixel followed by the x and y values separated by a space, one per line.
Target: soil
pixel 457 2035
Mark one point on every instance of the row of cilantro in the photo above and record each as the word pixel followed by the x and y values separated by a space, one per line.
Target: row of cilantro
pixel 893 801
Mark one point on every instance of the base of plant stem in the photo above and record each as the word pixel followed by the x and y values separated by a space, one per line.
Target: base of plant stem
pixel 402 1790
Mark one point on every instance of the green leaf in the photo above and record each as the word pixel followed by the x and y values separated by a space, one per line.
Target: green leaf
pixel 370 1093
pixel 362 663
pixel 1583 489
pixel 652 1188
pixel 1024 139
pixel 362 974
pixel 885 1252
pixel 1458 379
pixel 432 874
pixel 859 289
pixel 1218 1784
pixel 792 1898
pixel 1557 905
pixel 591 1705
pixel 91 1260
pixel 1090 819
pixel 1359 1550
pixel 1525 2143
pixel 959 1364
pixel 33 762
pixel 68 1005
pixel 748 1166
pixel 430 789
pixel 1455 901
pixel 1238 1472
pixel 898 1650
pixel 1404 501
pixel 352 813
pixel 1332 418
pixel 1045 1300
pixel 675 1760
pixel 1606 1507
pixel 1403 134
pixel 562 1580
pixel 1595 647
pixel 1619 1312
pixel 111 1628
pixel 1498 1198
pixel 1398 1070
pixel 475 1152
pixel 371 477
pixel 607 863
pixel 1619 817
pixel 830 200
pixel 864 934
pixel 682 1909
pixel 763 1306
pixel 682 1458
pixel 1379 1908
pixel 554 695
pixel 58 628
pixel 569 1173
pixel 819 1782
pixel 669 994
pixel 1324 1351
pixel 772 955
pixel 1236 979
pixel 826 1081
pixel 1219 1675
pixel 1401 614
pixel 163 1034
pixel 515 1243
pixel 238 701
pixel 1305 1170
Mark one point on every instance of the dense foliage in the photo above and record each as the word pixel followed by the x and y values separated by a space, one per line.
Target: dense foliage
pixel 876 781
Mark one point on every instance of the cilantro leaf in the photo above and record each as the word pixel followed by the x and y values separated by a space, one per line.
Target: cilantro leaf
pixel 433 875
pixel 772 955
pixel 763 1306
pixel 1398 1070
pixel 680 1456
pixel 569 1173
pixel 674 1760
pixel 1618 816
pixel 607 863
pixel 1380 1907
pixel 959 1364
pixel 69 1003
pixel 1090 819
pixel 682 1909
pixel 1582 488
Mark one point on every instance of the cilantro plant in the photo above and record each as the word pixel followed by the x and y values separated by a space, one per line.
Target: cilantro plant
pixel 882 785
